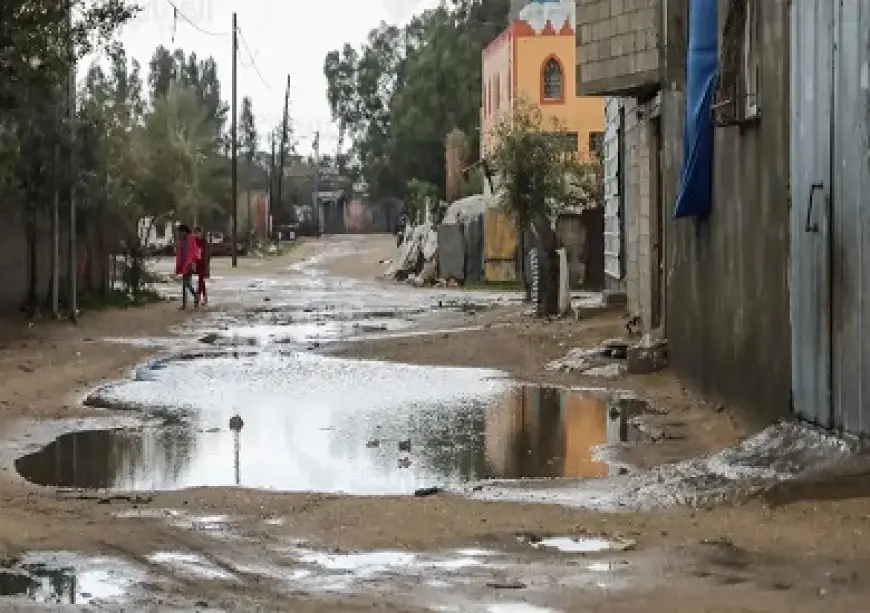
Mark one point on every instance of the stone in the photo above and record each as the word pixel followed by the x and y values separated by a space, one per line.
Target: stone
pixel 614 298
pixel 645 358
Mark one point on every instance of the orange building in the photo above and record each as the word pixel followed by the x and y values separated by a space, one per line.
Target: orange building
pixel 535 59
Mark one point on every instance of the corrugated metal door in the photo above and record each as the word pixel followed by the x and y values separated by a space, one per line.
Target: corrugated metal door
pixel 850 227
pixel 812 44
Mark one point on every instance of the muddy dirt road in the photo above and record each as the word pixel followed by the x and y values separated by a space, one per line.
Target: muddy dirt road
pixel 320 441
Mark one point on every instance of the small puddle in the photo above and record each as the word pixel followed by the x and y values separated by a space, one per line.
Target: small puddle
pixel 312 423
pixel 583 544
pixel 62 578
pixel 517 607
pixel 343 571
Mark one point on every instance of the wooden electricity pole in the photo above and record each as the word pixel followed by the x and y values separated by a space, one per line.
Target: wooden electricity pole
pixel 270 177
pixel 73 247
pixel 283 150
pixel 235 146
pixel 316 195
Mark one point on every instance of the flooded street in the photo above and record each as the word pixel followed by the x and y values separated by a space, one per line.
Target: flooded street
pixel 242 398
pixel 349 428
pixel 245 461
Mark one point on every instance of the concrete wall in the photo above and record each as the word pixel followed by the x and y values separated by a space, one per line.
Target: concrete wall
pixel 582 236
pixel 728 303
pixel 618 45
pixel 640 203
pixel 613 214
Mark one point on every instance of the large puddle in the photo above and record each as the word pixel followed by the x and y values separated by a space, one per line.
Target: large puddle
pixel 304 422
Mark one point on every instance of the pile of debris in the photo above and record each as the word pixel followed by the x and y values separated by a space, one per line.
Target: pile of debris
pixel 417 262
pixel 615 357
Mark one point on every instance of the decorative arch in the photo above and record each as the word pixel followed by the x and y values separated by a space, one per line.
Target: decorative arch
pixel 552 80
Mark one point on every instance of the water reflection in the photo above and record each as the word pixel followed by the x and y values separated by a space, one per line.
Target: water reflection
pixel 63 579
pixel 122 459
pixel 550 432
pixel 321 424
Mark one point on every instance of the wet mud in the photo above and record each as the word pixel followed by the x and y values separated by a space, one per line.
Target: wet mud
pixel 250 396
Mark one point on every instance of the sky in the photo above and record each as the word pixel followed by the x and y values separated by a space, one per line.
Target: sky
pixel 278 37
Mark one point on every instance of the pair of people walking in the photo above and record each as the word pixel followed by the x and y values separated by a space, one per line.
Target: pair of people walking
pixel 192 258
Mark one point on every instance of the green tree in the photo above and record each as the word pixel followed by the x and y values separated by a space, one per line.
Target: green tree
pixel 248 142
pixel 456 159
pixel 37 45
pixel 161 73
pixel 248 138
pixel 421 196
pixel 539 174
pixel 536 174
pixel 403 91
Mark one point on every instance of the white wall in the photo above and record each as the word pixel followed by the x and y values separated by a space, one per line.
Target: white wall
pixel 639 202
pixel 148 231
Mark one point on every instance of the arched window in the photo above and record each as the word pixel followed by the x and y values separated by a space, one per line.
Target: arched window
pixel 553 86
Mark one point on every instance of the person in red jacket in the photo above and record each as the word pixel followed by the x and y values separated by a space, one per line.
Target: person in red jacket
pixel 185 263
pixel 203 268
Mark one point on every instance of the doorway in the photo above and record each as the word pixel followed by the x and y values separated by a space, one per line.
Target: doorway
pixel 829 221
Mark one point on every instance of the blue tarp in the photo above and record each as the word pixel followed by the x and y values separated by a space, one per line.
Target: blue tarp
pixel 695 194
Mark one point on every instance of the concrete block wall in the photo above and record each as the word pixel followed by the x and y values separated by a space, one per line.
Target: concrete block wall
pixel 613 265
pixel 728 321
pixel 618 46
pixel 639 202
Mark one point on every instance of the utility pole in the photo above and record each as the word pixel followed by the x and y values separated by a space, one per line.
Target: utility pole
pixel 283 150
pixel 73 247
pixel 270 177
pixel 316 195
pixel 55 225
pixel 235 146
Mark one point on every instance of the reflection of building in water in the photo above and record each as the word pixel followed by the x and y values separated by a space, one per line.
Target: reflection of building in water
pixel 585 420
pixel 541 432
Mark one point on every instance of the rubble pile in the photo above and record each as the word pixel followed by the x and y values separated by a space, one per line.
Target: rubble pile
pixel 417 261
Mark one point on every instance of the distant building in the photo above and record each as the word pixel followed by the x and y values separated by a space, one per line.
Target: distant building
pixel 534 58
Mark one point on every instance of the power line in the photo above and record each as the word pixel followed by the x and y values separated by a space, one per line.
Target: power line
pixel 254 63
pixel 179 13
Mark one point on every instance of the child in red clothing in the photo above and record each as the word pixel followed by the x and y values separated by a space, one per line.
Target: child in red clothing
pixel 203 271
pixel 185 263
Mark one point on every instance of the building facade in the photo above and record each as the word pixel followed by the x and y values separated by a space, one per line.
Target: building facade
pixel 533 60
pixel 753 116
pixel 531 63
